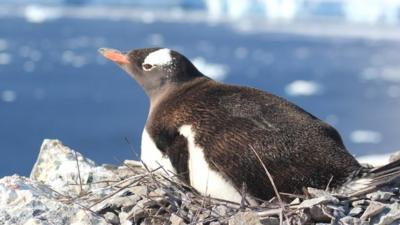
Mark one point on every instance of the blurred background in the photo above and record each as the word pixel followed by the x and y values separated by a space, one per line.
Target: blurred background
pixel 338 59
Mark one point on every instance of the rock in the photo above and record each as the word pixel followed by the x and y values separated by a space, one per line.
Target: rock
pixel 245 218
pixel 270 221
pixel 362 203
pixel 348 220
pixel 389 216
pixel 139 190
pixel 24 201
pixel 373 209
pixel 116 203
pixel 380 196
pixel 112 218
pixel 57 166
pixel 356 211
pixel 315 201
pixel 176 220
pixel 317 214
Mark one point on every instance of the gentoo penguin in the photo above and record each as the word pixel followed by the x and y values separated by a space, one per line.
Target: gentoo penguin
pixel 210 134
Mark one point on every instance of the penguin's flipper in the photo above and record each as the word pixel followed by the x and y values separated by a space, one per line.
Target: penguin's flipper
pixel 369 180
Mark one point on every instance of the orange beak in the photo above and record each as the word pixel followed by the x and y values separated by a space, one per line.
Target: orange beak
pixel 114 55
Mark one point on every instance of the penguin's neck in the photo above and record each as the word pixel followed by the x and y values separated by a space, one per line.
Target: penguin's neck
pixel 171 89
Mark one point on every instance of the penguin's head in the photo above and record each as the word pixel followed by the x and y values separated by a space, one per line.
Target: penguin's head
pixel 155 69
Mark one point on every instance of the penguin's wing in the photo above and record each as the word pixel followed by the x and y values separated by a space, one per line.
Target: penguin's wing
pixel 369 180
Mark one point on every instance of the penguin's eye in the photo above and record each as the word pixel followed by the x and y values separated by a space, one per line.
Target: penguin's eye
pixel 147 67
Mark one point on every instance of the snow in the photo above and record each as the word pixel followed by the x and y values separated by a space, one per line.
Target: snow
pixel 39 14
pixel 5 58
pixel 303 88
pixel 8 96
pixel 212 70
pixel 365 137
pixel 159 57
pixel 386 73
pixel 375 159
pixel 3 44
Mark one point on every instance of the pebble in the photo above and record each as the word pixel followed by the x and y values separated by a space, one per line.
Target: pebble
pixel 319 200
pixel 380 196
pixel 245 218
pixel 176 220
pixel 356 211
pixel 373 209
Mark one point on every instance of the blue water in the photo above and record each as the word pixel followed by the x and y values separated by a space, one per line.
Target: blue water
pixel 61 88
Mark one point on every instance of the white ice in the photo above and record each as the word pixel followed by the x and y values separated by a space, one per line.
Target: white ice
pixel 212 70
pixel 365 136
pixel 303 88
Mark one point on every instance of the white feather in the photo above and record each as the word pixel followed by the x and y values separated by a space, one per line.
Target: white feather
pixel 202 177
pixel 159 57
pixel 152 156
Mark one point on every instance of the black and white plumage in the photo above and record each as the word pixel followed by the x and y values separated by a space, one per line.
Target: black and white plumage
pixel 207 132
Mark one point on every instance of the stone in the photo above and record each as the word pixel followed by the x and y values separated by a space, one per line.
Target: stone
pixel 245 218
pixel 112 218
pixel 270 221
pixel 356 211
pixel 348 220
pixel 25 201
pixel 116 203
pixel 176 220
pixel 389 216
pixel 373 209
pixel 380 196
pixel 319 200
pixel 57 167
pixel 362 202
pixel 139 190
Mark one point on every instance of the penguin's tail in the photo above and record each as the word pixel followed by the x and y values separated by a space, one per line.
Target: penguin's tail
pixel 367 180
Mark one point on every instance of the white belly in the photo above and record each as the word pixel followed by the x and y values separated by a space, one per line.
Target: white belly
pixel 202 177
pixel 152 156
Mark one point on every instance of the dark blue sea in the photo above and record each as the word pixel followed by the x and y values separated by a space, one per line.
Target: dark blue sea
pixel 54 84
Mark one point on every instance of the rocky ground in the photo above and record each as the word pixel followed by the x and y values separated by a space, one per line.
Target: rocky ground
pixel 67 188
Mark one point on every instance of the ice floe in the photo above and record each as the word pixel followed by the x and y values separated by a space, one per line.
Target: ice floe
pixel 212 70
pixel 386 73
pixel 303 88
pixel 8 96
pixel 365 137
pixel 39 14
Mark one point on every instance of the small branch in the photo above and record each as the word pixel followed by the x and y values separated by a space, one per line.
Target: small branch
pixel 79 173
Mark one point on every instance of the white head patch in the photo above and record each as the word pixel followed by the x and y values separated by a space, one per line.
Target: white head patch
pixel 159 57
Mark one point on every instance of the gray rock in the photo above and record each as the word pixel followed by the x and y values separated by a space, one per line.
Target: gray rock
pixel 373 209
pixel 24 201
pixel 112 218
pixel 356 211
pixel 320 200
pixel 380 196
pixel 176 220
pixel 317 214
pixel 116 203
pixel 139 190
pixel 270 221
pixel 389 216
pixel 348 220
pixel 57 167
pixel 362 202
pixel 245 218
